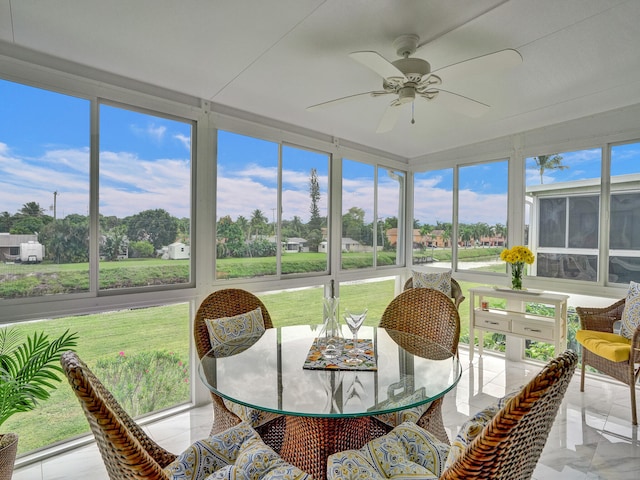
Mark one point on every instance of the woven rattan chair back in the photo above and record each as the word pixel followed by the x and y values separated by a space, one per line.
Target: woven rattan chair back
pixel 425 312
pixel 456 290
pixel 510 445
pixel 602 320
pixel 127 452
pixel 430 314
pixel 224 303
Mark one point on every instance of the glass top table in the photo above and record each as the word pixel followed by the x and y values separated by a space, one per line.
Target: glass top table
pixel 269 374
pixel 328 410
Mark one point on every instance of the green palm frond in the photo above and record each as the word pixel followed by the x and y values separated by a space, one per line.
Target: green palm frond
pixel 29 369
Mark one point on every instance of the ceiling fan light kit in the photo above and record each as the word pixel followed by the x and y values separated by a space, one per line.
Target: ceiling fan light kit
pixel 409 77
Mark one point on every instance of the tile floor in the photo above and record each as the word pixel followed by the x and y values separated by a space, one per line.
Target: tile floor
pixel 592 437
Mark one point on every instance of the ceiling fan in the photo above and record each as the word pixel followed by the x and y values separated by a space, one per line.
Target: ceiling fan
pixel 409 78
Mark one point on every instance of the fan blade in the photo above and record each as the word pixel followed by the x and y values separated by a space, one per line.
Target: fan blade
pixel 389 118
pixel 374 93
pixel 500 60
pixel 377 63
pixel 461 104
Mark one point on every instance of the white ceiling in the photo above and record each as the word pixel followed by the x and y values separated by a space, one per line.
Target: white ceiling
pixel 274 58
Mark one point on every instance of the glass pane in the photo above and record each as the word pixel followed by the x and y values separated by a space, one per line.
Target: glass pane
pixel 357 214
pixel 624 239
pixel 145 185
pixel 482 216
pixel 375 295
pixel 247 202
pixel 389 225
pixel 305 204
pixel 44 192
pixel 552 229
pixel 433 216
pixel 563 191
pixel 299 306
pixel 143 376
pixel 584 213
pixel 567 265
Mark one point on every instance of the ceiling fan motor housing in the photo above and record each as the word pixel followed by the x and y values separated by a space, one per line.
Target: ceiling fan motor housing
pixel 413 68
pixel 406 95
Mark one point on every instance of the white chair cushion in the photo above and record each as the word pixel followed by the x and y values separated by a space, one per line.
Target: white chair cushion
pixel 437 280
pixel 631 313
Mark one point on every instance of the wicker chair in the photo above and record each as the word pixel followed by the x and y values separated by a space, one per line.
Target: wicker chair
pixel 431 314
pixel 226 303
pixel 625 370
pixel 129 454
pixel 127 451
pixel 456 291
pixel 507 447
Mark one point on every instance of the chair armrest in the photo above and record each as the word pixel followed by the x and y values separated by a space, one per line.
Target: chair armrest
pixel 635 344
pixel 600 319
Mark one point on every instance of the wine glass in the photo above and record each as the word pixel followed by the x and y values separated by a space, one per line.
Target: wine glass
pixel 354 322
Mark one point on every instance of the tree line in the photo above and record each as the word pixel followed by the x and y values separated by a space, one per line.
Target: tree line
pixel 67 239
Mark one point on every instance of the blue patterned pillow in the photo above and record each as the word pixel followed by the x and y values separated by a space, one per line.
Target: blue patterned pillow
pixel 631 313
pixel 408 451
pixel 206 456
pixel 438 281
pixel 236 453
pixel 231 335
pixel 474 426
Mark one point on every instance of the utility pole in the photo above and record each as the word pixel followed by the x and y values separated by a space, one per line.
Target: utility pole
pixel 55 195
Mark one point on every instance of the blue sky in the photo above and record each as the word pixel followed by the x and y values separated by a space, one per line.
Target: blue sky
pixel 145 163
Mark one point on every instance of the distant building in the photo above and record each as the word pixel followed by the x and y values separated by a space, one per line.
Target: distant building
pixel 10 245
pixel 178 251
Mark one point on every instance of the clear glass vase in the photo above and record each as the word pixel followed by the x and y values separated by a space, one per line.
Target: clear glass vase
pixel 331 339
pixel 516 276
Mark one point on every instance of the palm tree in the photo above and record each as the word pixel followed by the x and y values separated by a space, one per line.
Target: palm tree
pixel 245 226
pixel 548 162
pixel 32 209
pixel 258 221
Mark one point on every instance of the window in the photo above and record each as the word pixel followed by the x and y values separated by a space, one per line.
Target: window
pixel 247 197
pixel 433 216
pixel 256 180
pixel 390 217
pixel 372 215
pixel 563 192
pixel 305 207
pixel 482 215
pixel 44 192
pixel 358 212
pixel 624 239
pixel 143 376
pixel 145 199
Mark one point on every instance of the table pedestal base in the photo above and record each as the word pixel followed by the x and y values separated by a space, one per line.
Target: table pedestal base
pixel 308 441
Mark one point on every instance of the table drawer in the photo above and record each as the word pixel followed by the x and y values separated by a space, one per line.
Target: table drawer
pixel 533 329
pixel 494 323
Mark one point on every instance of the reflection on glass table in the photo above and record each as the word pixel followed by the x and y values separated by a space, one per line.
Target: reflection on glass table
pixel 329 410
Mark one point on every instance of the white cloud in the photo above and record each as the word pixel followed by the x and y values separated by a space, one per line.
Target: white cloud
pixel 185 140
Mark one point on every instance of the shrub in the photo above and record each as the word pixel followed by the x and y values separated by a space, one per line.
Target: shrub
pixel 145 382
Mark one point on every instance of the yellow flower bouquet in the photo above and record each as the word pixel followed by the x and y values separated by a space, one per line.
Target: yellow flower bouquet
pixel 517 256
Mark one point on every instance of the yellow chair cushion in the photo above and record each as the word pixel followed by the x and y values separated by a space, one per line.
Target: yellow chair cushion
pixel 607 345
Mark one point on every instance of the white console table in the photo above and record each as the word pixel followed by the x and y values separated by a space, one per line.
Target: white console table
pixel 514 320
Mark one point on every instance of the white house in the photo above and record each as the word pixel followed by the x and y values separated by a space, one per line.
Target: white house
pixel 178 251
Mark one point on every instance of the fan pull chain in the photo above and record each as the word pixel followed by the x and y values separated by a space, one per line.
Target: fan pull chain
pixel 413 120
